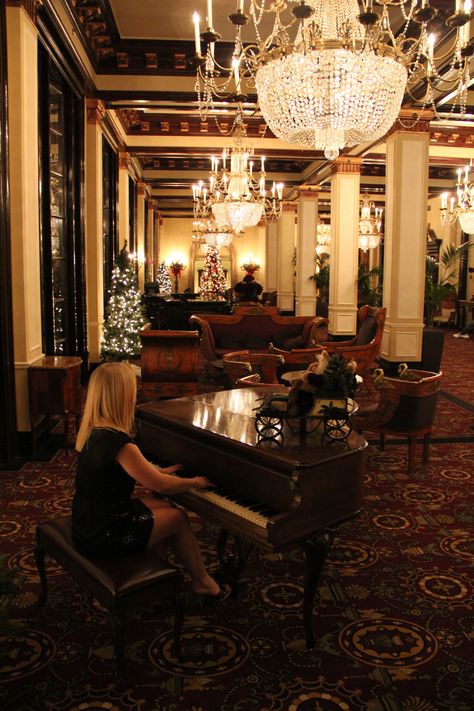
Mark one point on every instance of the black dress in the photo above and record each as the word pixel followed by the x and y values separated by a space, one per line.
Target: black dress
pixel 105 519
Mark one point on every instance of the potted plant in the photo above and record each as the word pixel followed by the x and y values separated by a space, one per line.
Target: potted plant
pixel 321 279
pixel 441 278
pixel 369 285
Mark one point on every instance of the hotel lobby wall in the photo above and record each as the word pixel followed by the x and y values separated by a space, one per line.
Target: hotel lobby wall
pixel 176 241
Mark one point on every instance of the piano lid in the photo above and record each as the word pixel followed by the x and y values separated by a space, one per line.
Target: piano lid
pixel 230 414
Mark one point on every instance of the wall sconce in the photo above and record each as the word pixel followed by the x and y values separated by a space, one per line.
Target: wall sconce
pixel 250 264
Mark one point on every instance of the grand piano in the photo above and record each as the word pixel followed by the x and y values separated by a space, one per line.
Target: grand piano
pixel 275 497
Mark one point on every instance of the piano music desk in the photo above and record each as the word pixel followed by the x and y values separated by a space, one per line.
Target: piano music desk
pixel 277 498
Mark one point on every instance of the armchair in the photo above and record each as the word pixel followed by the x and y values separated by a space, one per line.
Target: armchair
pixel 253 381
pixel 239 364
pixel 405 408
pixel 364 348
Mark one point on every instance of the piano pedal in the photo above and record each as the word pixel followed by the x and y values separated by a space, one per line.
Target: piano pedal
pixel 297 645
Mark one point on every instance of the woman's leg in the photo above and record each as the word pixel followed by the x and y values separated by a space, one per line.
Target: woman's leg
pixel 173 524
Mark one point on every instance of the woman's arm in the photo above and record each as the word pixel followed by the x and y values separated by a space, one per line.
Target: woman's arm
pixel 146 473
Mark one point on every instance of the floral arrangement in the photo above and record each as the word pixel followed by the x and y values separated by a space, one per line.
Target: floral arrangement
pixel 250 267
pixel 177 268
pixel 330 376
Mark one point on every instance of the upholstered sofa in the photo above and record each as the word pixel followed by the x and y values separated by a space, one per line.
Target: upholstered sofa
pixel 253 330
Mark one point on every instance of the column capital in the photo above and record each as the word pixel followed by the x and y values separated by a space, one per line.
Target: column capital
pixel 29 6
pixel 95 111
pixel 409 121
pixel 289 207
pixel 125 160
pixel 309 193
pixel 346 164
pixel 141 189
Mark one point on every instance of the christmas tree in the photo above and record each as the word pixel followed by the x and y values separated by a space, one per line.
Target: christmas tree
pixel 124 315
pixel 213 281
pixel 163 280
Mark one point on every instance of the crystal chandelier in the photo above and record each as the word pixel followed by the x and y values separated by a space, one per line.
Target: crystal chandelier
pixel 464 210
pixel 323 237
pixel 370 225
pixel 207 232
pixel 333 73
pixel 235 196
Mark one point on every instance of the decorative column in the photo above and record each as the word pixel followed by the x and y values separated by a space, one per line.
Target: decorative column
pixel 141 187
pixel 261 242
pixel 285 257
pixel 405 237
pixel 150 258
pixel 271 255
pixel 158 221
pixel 95 112
pixel 305 252
pixel 123 201
pixel 345 198
pixel 22 57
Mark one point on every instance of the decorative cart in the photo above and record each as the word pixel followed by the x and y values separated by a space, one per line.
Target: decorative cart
pixel 332 414
pixel 319 398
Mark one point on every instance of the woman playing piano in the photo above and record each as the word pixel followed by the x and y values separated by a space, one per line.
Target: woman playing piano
pixel 106 519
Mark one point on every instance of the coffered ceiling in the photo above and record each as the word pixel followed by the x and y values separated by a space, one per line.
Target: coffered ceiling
pixel 140 53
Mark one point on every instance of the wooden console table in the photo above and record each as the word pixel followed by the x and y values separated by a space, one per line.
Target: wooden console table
pixel 54 389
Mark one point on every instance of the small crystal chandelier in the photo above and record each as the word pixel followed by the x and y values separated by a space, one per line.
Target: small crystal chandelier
pixel 208 233
pixel 370 225
pixel 235 196
pixel 464 210
pixel 333 73
pixel 323 237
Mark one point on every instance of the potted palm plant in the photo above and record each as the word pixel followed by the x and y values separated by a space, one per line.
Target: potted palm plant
pixel 441 278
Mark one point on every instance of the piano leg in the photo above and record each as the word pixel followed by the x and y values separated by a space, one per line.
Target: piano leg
pixel 232 559
pixel 316 551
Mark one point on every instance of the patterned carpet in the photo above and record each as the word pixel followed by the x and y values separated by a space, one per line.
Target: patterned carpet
pixel 395 619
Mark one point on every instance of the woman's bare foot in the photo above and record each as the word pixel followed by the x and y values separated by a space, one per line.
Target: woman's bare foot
pixel 205 586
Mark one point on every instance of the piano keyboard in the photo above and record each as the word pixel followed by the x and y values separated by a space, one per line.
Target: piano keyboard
pixel 234 503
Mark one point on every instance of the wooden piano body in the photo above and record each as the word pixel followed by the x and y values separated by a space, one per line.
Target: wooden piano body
pixel 274 497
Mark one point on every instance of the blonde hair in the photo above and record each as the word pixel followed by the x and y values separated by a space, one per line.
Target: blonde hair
pixel 110 402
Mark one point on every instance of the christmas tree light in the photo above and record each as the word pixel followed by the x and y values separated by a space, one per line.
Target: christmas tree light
pixel 125 314
pixel 213 281
pixel 163 280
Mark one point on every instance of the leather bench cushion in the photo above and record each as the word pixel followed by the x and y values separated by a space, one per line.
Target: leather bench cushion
pixel 116 576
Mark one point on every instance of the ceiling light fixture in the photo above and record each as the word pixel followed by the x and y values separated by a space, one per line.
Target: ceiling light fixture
pixel 235 196
pixel 323 238
pixel 370 225
pixel 206 232
pixel 464 210
pixel 333 73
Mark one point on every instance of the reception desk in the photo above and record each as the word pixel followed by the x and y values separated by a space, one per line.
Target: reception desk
pixel 173 313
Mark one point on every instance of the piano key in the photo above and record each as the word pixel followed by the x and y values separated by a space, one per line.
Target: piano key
pixel 231 506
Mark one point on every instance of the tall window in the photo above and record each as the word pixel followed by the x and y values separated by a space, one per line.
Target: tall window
pixel 109 212
pixel 61 158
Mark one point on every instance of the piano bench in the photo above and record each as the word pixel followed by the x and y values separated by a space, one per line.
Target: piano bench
pixel 121 584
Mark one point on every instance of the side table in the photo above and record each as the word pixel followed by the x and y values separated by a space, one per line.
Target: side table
pixel 54 389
